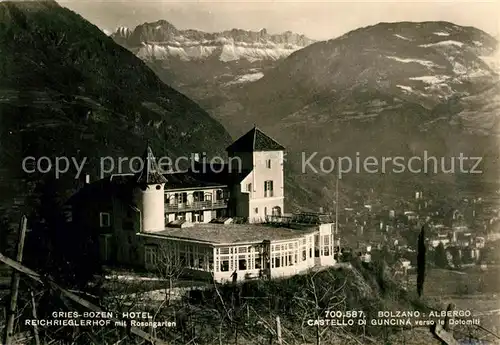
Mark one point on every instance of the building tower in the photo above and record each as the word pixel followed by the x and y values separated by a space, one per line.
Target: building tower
pixel 261 190
pixel 150 194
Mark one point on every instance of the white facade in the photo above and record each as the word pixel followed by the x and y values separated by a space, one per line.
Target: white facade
pixel 278 258
pixel 264 186
pixel 151 200
pixel 216 252
pixel 199 205
pixel 246 260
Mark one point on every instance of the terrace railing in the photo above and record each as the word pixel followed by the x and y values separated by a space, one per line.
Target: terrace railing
pixel 196 205
pixel 299 218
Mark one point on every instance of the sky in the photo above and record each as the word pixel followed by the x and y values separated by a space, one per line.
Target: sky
pixel 319 20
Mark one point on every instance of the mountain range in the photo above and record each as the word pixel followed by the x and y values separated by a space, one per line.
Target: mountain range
pixel 389 89
pixel 392 89
pixel 384 90
pixel 206 66
pixel 162 40
pixel 68 90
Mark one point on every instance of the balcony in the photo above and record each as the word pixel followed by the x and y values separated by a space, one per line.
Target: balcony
pixel 299 218
pixel 196 206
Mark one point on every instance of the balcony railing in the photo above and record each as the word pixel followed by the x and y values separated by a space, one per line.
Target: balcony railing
pixel 299 218
pixel 196 205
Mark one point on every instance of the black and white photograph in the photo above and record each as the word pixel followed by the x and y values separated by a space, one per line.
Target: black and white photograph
pixel 249 172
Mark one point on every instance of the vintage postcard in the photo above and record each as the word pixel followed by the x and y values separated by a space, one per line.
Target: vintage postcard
pixel 249 172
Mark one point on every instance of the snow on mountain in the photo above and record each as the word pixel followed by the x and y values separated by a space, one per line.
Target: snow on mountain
pixel 123 31
pixel 437 69
pixel 443 43
pixel 428 63
pixel 163 41
pixel 121 35
pixel 405 88
pixel 402 37
pixel 432 79
pixel 425 63
pixel 246 78
pixel 441 33
pixel 149 51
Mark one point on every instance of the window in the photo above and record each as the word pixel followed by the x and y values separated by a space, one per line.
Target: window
pixel 277 262
pixel 268 189
pixel 258 264
pixel 104 219
pixel 198 217
pixel 199 196
pixel 265 211
pixel 256 210
pixel 326 245
pixel 224 264
pixel 304 255
pixel 249 187
pixel 242 263
pixel 268 164
pixel 180 198
pixel 150 253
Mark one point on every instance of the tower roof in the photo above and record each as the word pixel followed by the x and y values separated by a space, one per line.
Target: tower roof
pixel 150 174
pixel 255 140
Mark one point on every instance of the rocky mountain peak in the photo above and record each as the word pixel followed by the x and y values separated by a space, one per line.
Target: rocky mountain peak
pixel 161 40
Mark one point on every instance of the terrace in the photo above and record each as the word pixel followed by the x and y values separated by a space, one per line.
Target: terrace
pixel 196 206
pixel 300 218
pixel 232 233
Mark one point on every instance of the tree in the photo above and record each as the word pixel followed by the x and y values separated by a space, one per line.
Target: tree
pixel 169 266
pixel 421 262
pixel 440 256
pixel 386 255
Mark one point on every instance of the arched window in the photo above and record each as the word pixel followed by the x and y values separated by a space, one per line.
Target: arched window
pixel 276 211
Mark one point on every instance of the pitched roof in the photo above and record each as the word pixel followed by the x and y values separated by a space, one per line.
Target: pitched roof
pixel 188 179
pixel 255 140
pixel 222 175
pixel 150 174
